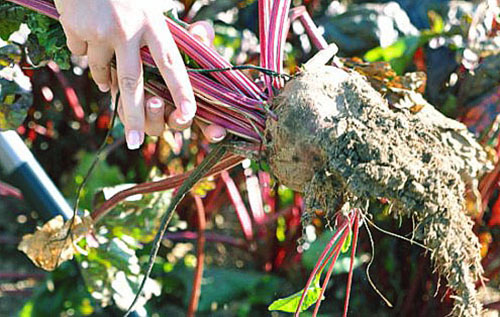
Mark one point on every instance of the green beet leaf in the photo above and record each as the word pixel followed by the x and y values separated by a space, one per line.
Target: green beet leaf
pixel 289 304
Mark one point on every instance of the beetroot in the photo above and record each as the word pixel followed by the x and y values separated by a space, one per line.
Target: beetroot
pixel 339 142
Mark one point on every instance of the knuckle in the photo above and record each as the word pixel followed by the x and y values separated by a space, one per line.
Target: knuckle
pixel 129 83
pixel 100 34
pixel 98 68
pixel 166 61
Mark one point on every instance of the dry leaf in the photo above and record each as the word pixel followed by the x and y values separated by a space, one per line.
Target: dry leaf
pixel 50 246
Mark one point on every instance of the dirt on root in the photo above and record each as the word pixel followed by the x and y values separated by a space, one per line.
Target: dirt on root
pixel 339 141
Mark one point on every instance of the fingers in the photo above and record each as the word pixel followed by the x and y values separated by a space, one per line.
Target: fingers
pixel 171 66
pixel 76 45
pixel 177 122
pixel 212 132
pixel 155 122
pixel 130 82
pixel 99 62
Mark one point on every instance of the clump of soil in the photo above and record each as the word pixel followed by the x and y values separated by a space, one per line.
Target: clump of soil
pixel 338 140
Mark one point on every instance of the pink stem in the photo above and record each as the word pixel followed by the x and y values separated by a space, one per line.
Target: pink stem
pixel 276 26
pixel 239 206
pixel 210 237
pixel 334 255
pixel 200 258
pixel 207 57
pixel 255 199
pixel 311 29
pixel 281 43
pixel 264 14
pixel 43 7
pixel 170 182
pixel 353 253
pixel 343 225
pixel 7 190
pixel 230 120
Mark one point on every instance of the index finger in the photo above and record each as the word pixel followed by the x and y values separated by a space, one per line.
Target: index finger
pixel 130 82
pixel 171 66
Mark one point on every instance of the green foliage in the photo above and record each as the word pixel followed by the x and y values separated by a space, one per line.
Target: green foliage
pixel 221 286
pixel 138 217
pixel 10 54
pixel 15 89
pixel 112 273
pixel 11 17
pixel 289 304
pixel 113 269
pixel 104 175
pixel 399 54
pixel 63 294
pixel 47 41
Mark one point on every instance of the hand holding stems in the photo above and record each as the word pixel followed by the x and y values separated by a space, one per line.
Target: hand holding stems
pixel 102 29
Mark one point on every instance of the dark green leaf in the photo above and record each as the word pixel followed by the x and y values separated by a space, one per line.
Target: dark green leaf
pixel 47 41
pixel 222 286
pixel 11 17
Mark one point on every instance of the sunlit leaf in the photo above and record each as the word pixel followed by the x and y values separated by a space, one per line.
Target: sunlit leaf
pixel 50 245
pixel 289 304
pixel 347 242
pixel 112 272
pixel 46 41
pixel 203 187
pixel 138 218
pixel 10 54
pixel 436 21
pixel 399 54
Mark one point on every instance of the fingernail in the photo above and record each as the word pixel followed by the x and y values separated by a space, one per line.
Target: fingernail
pixel 219 134
pixel 103 87
pixel 218 139
pixel 182 121
pixel 134 139
pixel 155 105
pixel 179 119
pixel 188 110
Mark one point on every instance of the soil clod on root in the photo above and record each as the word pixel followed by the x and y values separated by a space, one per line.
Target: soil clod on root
pixel 338 140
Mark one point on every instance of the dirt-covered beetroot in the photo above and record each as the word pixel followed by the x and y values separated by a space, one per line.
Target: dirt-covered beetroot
pixel 338 141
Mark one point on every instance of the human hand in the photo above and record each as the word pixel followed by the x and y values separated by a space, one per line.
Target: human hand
pixel 104 28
